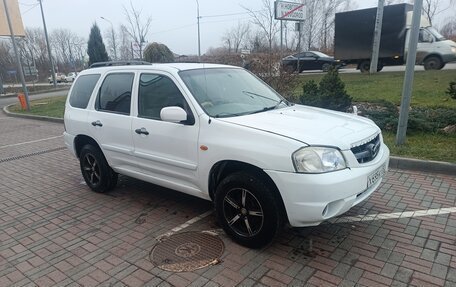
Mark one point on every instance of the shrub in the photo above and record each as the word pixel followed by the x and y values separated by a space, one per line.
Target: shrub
pixel 330 93
pixel 158 53
pixel 386 116
pixel 452 90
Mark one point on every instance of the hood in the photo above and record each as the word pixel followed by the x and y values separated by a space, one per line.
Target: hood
pixel 312 126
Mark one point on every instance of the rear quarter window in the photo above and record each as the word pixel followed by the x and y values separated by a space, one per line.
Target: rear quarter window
pixel 82 90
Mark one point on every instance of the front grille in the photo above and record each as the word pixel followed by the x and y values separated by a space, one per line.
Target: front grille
pixel 368 151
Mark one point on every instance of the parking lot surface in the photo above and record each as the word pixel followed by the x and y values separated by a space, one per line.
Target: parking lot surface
pixel 55 232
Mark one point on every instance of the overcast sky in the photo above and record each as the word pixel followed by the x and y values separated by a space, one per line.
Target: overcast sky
pixel 173 21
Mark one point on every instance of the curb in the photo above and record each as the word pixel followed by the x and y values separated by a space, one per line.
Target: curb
pixel 32 117
pixel 394 162
pixel 422 165
pixel 36 93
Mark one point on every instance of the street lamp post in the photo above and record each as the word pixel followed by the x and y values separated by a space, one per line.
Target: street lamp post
pixel 112 36
pixel 48 46
pixel 199 35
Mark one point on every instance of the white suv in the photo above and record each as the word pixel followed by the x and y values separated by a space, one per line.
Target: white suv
pixel 219 133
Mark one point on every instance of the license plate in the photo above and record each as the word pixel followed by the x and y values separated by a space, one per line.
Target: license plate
pixel 376 176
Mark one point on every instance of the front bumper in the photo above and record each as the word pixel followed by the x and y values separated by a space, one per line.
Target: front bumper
pixel 310 199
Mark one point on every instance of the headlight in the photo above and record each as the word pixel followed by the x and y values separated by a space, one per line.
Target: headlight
pixel 318 159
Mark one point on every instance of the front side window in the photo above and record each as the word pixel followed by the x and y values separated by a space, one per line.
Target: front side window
pixel 82 90
pixel 157 92
pixel 115 93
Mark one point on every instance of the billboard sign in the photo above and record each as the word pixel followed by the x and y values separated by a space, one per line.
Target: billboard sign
pixel 289 11
pixel 15 16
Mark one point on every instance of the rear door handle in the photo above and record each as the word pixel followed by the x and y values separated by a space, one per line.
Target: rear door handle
pixel 142 131
pixel 97 123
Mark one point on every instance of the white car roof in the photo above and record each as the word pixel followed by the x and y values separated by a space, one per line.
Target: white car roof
pixel 168 67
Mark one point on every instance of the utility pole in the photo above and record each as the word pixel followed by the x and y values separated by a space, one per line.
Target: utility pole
pixel 113 36
pixel 18 58
pixel 48 46
pixel 377 37
pixel 409 72
pixel 199 35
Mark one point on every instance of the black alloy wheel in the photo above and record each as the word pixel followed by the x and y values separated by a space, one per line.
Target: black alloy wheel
pixel 243 212
pixel 96 171
pixel 249 209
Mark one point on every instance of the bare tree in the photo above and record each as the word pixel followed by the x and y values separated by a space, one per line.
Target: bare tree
pixel 7 61
pixel 264 19
pixel 137 28
pixel 449 29
pixel 236 36
pixel 432 8
pixel 124 49
pixel 112 42
pixel 68 49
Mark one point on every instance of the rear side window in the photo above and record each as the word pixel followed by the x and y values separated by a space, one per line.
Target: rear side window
pixel 82 90
pixel 115 93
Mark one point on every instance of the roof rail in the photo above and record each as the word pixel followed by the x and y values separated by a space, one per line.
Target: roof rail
pixel 118 63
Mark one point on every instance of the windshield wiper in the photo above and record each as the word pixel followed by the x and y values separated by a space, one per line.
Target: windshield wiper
pixel 258 95
pixel 224 114
pixel 271 107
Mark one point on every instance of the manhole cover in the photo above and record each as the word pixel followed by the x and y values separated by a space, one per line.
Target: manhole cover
pixel 187 251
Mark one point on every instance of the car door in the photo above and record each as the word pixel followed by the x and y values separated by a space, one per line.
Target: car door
pixel 312 61
pixel 110 121
pixel 166 152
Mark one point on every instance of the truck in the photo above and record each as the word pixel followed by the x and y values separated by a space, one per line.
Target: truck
pixel 354 33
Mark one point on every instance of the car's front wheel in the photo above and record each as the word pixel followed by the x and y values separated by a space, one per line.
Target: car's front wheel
pixel 96 171
pixel 248 209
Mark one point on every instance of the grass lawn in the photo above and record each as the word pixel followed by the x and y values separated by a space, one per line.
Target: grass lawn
pixel 51 107
pixel 428 89
pixel 424 146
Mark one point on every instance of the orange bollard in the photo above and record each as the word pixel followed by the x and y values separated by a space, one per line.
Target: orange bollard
pixel 21 98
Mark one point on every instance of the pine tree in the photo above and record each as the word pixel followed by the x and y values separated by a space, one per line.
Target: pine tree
pixel 95 46
pixel 329 94
pixel 332 92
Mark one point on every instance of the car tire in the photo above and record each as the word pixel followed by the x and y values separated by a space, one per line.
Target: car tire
pixel 364 67
pixel 96 171
pixel 248 209
pixel 433 63
pixel 289 69
pixel 325 67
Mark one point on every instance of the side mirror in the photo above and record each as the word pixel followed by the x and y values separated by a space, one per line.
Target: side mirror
pixel 173 115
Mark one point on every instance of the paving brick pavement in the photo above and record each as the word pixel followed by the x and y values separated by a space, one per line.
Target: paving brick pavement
pixel 55 232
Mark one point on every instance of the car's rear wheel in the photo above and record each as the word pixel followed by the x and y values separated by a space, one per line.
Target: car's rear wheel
pixel 325 67
pixel 248 209
pixel 364 67
pixel 97 174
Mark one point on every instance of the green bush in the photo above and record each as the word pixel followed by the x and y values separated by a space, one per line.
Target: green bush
pixel 329 94
pixel 386 116
pixel 158 53
pixel 452 90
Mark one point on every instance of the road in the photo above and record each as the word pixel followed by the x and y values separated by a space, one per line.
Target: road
pixel 450 66
pixel 4 101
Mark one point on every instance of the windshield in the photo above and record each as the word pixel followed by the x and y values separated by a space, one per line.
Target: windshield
pixel 227 92
pixel 436 33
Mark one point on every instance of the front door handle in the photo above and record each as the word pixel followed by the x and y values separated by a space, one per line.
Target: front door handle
pixel 97 123
pixel 142 131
